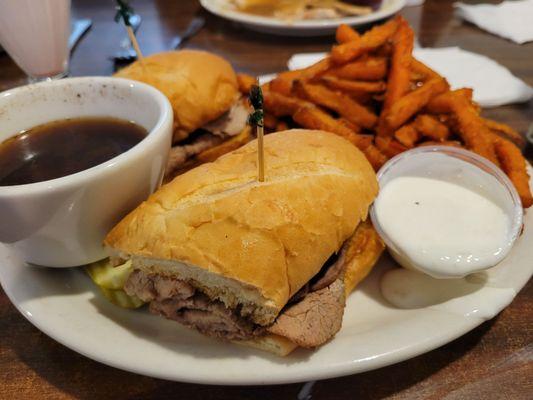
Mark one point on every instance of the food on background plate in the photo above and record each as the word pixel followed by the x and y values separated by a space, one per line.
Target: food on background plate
pixel 372 91
pixel 45 151
pixel 209 111
pixel 295 10
pixel 254 262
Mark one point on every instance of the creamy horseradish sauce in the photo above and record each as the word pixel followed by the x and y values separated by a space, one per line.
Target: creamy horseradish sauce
pixel 408 289
pixel 440 227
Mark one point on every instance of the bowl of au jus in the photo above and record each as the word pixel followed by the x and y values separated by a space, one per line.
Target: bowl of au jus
pixel 76 155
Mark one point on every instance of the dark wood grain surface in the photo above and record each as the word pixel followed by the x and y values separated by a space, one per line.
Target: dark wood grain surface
pixel 494 361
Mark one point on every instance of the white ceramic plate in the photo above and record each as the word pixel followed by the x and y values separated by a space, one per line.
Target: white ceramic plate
pixel 65 305
pixel 314 27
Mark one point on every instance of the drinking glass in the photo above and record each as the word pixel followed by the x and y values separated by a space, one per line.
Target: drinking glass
pixel 35 34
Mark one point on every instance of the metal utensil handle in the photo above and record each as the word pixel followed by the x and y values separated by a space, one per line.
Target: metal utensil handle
pixel 79 27
pixel 192 29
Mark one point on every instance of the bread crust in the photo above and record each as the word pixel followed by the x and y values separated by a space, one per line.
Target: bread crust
pixel 359 255
pixel 269 237
pixel 200 86
pixel 271 343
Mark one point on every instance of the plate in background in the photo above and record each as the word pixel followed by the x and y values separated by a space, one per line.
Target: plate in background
pixel 315 27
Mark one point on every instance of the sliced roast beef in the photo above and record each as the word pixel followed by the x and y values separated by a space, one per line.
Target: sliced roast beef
pixel 211 318
pixel 315 319
pixel 309 320
pixel 179 155
pixel 232 122
pixel 330 272
pixel 148 287
pixel 182 155
pixel 177 300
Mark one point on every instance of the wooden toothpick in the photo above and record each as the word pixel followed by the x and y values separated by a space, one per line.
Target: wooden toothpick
pixel 256 119
pixel 124 12
pixel 135 44
pixel 260 154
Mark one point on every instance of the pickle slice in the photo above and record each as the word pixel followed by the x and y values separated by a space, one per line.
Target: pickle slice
pixel 107 276
pixel 121 298
pixel 110 280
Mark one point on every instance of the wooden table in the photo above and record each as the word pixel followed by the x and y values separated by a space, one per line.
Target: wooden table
pixel 493 361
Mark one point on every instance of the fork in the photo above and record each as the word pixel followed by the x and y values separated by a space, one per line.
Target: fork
pixel 192 29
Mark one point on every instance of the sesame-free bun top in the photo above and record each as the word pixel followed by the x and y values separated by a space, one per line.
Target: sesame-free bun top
pixel 251 243
pixel 200 86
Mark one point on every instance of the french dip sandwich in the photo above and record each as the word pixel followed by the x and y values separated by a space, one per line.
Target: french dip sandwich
pixel 266 264
pixel 209 110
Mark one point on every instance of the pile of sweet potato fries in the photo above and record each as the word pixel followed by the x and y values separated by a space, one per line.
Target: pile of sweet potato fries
pixel 373 92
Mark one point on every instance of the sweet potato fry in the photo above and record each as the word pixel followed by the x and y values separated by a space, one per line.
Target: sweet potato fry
pixel 282 106
pixel 354 87
pixel 441 104
pixel 372 39
pixel 342 104
pixel 225 147
pixel 505 130
pixel 265 86
pixel 345 34
pixel 475 134
pixel 399 80
pixel 364 141
pixel 467 93
pixel 422 69
pixel 281 126
pixel 384 50
pixel 448 120
pixel 514 165
pixel 283 82
pixel 245 83
pixel 349 125
pixel 453 143
pixel 270 121
pixel 431 128
pixel 404 108
pixel 315 118
pixel 416 77
pixel 359 254
pixel 316 70
pixel 370 68
pixel 375 157
pixel 379 97
pixel 407 135
pixel 389 146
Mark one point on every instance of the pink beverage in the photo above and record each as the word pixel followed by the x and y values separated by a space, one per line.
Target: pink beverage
pixel 35 34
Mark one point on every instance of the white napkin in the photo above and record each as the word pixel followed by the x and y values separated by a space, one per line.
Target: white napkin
pixel 493 84
pixel 302 60
pixel 509 19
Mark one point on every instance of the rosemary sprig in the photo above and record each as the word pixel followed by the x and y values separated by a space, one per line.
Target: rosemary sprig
pixel 124 11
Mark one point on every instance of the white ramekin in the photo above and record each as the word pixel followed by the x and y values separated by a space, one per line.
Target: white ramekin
pixel 62 222
pixel 422 162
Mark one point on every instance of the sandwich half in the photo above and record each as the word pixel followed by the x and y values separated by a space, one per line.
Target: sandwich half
pixel 209 111
pixel 267 264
